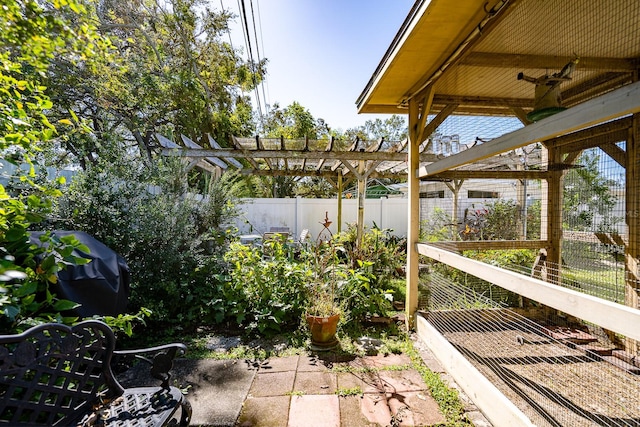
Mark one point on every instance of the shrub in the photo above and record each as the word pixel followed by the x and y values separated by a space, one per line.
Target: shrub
pixel 264 295
pixel 173 242
pixel 384 253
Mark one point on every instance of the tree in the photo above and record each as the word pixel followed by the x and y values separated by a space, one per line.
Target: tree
pixel 587 192
pixel 292 122
pixel 33 33
pixel 171 72
pixel 393 129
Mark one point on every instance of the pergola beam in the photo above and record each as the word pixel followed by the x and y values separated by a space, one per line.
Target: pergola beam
pixel 477 174
pixel 296 154
pixel 314 173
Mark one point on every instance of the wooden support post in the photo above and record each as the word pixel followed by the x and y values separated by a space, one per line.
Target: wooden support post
pixel 339 199
pixel 362 188
pixel 521 203
pixel 632 255
pixel 418 112
pixel 553 214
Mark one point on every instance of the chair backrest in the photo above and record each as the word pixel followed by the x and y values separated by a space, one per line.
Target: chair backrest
pixel 279 230
pixel 282 237
pixel 54 374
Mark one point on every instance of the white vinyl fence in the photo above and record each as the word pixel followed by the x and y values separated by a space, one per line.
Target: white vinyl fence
pixel 259 215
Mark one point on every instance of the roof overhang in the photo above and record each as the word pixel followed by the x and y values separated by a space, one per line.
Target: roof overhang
pixel 430 35
pixel 489 57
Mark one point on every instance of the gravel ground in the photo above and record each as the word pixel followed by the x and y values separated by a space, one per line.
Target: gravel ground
pixel 553 384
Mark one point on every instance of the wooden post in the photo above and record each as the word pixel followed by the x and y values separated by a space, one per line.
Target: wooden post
pixel 554 215
pixel 632 255
pixel 362 188
pixel 417 119
pixel 521 203
pixel 339 199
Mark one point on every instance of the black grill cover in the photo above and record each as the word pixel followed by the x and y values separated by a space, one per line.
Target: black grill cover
pixel 101 286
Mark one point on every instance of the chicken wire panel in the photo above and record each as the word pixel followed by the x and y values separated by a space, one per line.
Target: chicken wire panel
pixel 594 228
pixel 480 209
pixel 555 382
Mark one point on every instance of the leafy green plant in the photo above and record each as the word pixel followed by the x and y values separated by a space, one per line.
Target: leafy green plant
pixel 384 252
pixel 324 278
pixel 32 33
pixel 264 295
pixel 358 295
pixel 352 391
pixel 188 236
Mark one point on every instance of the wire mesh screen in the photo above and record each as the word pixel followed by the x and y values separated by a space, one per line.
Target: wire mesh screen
pixel 555 379
pixel 575 226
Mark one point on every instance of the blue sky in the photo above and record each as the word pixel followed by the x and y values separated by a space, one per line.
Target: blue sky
pixel 322 52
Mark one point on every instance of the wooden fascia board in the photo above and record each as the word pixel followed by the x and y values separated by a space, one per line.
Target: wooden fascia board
pixel 621 102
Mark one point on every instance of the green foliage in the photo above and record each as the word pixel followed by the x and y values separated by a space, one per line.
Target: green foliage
pixel 501 220
pixel 437 227
pixel 27 271
pixel 359 295
pixel 170 71
pixel 186 235
pixel 34 33
pixel 265 295
pixel 385 252
pixel 586 193
pixel 534 220
pixel 291 122
pixel 392 129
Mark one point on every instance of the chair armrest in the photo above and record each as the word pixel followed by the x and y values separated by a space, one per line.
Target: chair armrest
pixel 160 358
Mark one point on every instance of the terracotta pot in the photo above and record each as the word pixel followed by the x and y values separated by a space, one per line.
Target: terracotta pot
pixel 323 331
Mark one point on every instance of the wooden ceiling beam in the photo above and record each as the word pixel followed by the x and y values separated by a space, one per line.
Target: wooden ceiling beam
pixel 616 153
pixel 592 136
pixel 437 121
pixel 547 62
pixel 577 93
pixel 521 115
pixel 598 141
pixel 482 101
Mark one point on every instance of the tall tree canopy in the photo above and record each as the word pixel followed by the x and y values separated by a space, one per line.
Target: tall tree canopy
pixel 170 71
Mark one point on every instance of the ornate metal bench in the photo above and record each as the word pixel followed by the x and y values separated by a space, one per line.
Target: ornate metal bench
pixel 56 375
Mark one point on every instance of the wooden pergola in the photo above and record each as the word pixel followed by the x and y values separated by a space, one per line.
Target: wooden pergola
pixel 572 69
pixel 339 165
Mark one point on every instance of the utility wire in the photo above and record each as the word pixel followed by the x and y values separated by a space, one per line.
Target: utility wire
pixel 264 79
pixel 247 36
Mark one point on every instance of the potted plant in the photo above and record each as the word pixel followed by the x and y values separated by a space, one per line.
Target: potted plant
pixel 323 311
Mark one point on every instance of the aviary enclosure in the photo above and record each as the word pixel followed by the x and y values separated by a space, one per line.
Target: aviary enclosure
pixel 559 206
